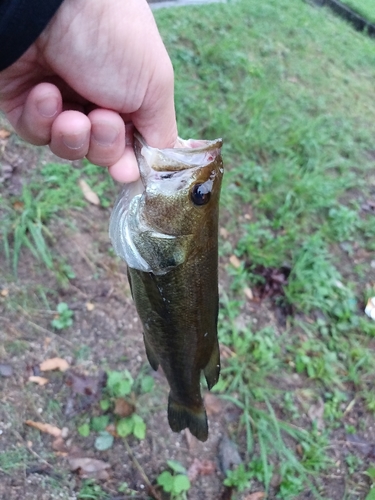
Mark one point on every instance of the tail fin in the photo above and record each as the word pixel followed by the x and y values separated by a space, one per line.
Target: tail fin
pixel 181 417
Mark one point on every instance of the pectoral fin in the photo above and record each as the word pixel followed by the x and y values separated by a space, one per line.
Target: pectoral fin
pixel 212 369
pixel 161 252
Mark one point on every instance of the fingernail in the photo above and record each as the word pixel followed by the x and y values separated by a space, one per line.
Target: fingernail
pixel 75 141
pixel 104 135
pixel 48 106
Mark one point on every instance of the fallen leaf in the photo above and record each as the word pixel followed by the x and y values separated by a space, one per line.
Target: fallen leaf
pixel 87 464
pixel 90 306
pixel 85 391
pixel 235 261
pixel 257 495
pixel 4 133
pixel 47 428
pixel 18 205
pixel 47 342
pixel 305 397
pixel 349 407
pixel 88 385
pixel 226 352
pixel 362 445
pixel 248 293
pixel 59 445
pixel 89 467
pixel 88 193
pixel 6 370
pixel 316 414
pixel 64 432
pixel 75 451
pixel 38 380
pixel 276 480
pixel 223 233
pixel 273 281
pixel 111 428
pixel 200 467
pixel 54 364
pixel 123 408
pixel 228 455
pixel 369 206
pixel 4 292
pixel 213 404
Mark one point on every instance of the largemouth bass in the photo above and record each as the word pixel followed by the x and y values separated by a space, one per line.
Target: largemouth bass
pixel 166 229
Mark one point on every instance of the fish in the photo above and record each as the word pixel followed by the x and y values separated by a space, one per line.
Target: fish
pixel 165 227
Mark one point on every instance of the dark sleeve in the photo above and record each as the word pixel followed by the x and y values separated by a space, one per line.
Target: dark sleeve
pixel 21 22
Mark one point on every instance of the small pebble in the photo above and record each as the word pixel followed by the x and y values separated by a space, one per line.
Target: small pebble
pixel 64 432
pixel 6 370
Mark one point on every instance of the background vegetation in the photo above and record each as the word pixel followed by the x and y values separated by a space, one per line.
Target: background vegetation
pixel 290 88
pixel 364 7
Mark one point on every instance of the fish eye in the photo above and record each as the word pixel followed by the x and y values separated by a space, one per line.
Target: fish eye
pixel 201 193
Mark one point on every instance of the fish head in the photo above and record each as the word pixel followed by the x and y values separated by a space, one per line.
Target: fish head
pixel 182 185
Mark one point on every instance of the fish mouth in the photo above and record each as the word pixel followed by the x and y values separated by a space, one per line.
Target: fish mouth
pixel 190 153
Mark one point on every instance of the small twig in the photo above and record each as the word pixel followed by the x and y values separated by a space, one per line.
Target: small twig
pixel 80 214
pixel 18 436
pixel 78 290
pixel 85 257
pixel 349 407
pixel 49 332
pixel 11 327
pixel 141 471
pixel 42 329
pixel 43 312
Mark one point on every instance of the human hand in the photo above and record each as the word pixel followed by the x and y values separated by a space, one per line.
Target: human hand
pixel 98 69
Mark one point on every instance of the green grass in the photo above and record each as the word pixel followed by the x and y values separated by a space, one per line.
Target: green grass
pixel 13 459
pixel 53 189
pixel 296 113
pixel 364 7
pixel 91 491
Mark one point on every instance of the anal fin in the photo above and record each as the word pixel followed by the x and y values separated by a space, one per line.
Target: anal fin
pixel 212 369
pixel 181 417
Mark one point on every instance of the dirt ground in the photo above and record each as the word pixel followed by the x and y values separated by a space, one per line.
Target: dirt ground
pixel 105 335
pixel 108 336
